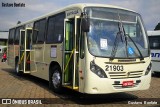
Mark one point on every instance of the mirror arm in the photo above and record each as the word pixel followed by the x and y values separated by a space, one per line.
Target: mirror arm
pixel 85 23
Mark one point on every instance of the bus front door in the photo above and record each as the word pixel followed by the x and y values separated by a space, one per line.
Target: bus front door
pixel 21 50
pixel 24 52
pixel 71 54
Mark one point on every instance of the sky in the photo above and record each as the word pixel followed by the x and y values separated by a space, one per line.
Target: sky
pixel 9 16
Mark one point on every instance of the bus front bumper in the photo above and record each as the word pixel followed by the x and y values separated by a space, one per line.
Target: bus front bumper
pixel 106 85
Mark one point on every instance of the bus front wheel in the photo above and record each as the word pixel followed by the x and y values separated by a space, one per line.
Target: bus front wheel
pixel 55 79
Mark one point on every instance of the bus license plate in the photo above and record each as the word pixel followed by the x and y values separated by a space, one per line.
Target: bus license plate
pixel 127 83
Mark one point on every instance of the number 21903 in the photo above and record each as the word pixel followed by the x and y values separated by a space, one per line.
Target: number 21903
pixel 114 68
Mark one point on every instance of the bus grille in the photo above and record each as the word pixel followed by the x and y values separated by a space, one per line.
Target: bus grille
pixel 120 75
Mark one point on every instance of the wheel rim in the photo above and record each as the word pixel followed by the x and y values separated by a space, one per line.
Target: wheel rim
pixel 56 79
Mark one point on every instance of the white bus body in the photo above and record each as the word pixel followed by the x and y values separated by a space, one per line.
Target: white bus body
pixel 90 48
pixel 154 40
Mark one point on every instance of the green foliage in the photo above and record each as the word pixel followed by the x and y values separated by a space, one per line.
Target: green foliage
pixel 157 27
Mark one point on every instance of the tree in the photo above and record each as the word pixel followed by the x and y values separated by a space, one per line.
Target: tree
pixel 157 27
pixel 19 22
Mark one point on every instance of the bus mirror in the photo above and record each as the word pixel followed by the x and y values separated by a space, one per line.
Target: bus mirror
pixel 85 24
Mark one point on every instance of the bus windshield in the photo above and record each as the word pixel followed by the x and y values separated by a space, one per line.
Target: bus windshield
pixel 105 29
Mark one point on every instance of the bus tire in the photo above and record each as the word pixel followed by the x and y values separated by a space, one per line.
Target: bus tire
pixel 55 79
pixel 17 68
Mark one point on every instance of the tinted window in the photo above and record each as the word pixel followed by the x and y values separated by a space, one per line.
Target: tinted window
pixel 50 31
pixel 55 28
pixel 154 42
pixel 35 32
pixel 39 31
pixel 11 36
pixel 17 35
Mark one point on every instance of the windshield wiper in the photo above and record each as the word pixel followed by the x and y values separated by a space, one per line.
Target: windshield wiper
pixel 114 49
pixel 141 56
pixel 123 36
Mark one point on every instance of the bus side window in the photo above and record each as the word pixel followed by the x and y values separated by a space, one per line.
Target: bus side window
pixel 17 35
pixel 55 31
pixel 11 36
pixel 59 25
pixel 154 42
pixel 39 31
pixel 35 32
pixel 50 30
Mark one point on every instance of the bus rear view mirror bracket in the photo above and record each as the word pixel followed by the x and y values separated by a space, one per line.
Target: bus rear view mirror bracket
pixel 85 24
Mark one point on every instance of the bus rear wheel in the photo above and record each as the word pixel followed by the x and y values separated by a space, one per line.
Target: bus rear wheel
pixel 17 68
pixel 55 80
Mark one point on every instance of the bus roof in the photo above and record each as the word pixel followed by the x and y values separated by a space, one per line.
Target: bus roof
pixel 80 6
pixel 153 33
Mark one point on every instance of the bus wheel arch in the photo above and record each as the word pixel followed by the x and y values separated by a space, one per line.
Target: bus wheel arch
pixel 55 77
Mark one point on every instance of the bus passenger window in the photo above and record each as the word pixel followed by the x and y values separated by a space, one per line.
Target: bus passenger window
pixel 55 29
pixel 39 31
pixel 17 35
pixel 35 32
pixel 11 36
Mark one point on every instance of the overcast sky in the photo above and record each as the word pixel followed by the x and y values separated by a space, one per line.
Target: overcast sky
pixel 149 10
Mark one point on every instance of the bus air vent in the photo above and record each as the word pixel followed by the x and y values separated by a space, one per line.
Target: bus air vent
pixel 126 60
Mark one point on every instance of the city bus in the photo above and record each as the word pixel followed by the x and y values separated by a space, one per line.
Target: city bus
pixel 89 48
pixel 154 40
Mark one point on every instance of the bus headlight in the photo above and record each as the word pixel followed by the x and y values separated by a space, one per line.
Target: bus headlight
pixel 148 69
pixel 97 70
